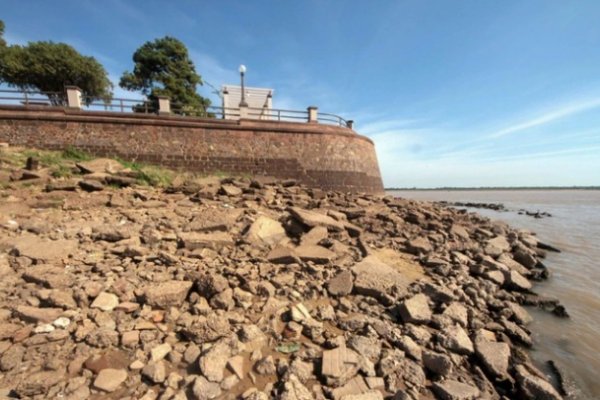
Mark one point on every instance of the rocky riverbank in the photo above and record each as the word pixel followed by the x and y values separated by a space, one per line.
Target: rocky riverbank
pixel 256 289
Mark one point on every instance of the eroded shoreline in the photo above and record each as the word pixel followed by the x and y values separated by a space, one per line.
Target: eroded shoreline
pixel 260 289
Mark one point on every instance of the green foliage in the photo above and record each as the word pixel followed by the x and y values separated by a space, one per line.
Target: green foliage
pixel 2 41
pixel 163 68
pixel 150 175
pixel 71 153
pixel 49 67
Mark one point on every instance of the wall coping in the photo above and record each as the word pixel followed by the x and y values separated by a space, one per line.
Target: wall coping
pixel 48 113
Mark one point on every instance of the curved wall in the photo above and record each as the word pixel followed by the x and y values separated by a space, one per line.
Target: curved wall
pixel 321 156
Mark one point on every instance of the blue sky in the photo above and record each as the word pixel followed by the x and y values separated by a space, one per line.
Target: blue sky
pixel 454 93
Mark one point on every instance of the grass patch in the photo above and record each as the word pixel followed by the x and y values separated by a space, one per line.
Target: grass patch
pixel 150 175
pixel 73 154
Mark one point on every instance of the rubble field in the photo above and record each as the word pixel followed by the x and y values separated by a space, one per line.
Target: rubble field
pixel 252 288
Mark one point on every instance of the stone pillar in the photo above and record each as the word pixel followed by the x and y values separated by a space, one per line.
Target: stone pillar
pixel 313 114
pixel 73 97
pixel 243 111
pixel 164 105
pixel 350 124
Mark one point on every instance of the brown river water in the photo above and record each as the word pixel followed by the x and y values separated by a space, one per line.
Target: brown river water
pixel 574 228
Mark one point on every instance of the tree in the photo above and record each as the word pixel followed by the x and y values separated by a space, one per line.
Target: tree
pixel 2 41
pixel 49 67
pixel 163 68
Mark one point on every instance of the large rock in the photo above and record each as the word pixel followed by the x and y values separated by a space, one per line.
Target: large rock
pixel 212 240
pixel 316 254
pixel 207 329
pixel 203 389
pixel 494 356
pixel 213 362
pixel 454 390
pixel 457 312
pixel 48 276
pixel 437 363
pixel 109 379
pixel 455 339
pixel 105 301
pixel 100 165
pixel 376 278
pixel 38 383
pixel 293 389
pixel 496 246
pixel 40 249
pixel 314 236
pixel 534 387
pixel 416 309
pixel 515 281
pixel 341 284
pixel 35 314
pixel 214 219
pixel 419 245
pixel 265 231
pixel 312 218
pixel 167 294
pixel 283 255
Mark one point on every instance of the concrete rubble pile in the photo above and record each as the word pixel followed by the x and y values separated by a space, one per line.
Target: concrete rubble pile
pixel 259 289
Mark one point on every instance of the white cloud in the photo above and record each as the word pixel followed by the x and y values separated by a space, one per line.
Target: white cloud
pixel 548 117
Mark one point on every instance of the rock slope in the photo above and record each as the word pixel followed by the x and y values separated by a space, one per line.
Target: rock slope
pixel 256 289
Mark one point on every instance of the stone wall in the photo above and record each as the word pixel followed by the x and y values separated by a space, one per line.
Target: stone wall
pixel 322 156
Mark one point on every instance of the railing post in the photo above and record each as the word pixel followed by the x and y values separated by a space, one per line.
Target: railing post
pixel 313 114
pixel 350 124
pixel 73 97
pixel 243 111
pixel 164 105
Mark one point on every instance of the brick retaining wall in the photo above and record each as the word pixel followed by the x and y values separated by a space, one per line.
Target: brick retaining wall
pixel 323 156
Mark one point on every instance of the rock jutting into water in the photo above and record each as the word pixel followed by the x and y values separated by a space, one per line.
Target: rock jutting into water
pixel 254 289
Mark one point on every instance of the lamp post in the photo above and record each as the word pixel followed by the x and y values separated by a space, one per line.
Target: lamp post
pixel 242 72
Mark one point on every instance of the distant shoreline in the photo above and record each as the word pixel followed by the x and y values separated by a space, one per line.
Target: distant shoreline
pixel 498 188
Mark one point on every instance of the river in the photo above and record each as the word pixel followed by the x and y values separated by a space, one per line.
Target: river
pixel 575 229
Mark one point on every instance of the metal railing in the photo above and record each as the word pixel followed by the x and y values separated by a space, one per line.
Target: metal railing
pixel 123 105
pixel 32 98
pixel 333 119
pixel 116 104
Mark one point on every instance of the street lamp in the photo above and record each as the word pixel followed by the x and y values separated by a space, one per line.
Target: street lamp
pixel 242 72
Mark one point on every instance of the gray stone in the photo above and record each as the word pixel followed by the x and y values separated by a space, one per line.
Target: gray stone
pixel 376 279
pixel 211 240
pixel 457 313
pixel 419 245
pixel 316 254
pixel 496 246
pixel 454 390
pixel 312 219
pixel 341 284
pixel 534 387
pixel 416 309
pixel 494 356
pixel 437 363
pixel 90 185
pixel 516 281
pixel 455 339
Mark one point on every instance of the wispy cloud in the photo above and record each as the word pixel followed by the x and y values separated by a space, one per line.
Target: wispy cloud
pixel 548 117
